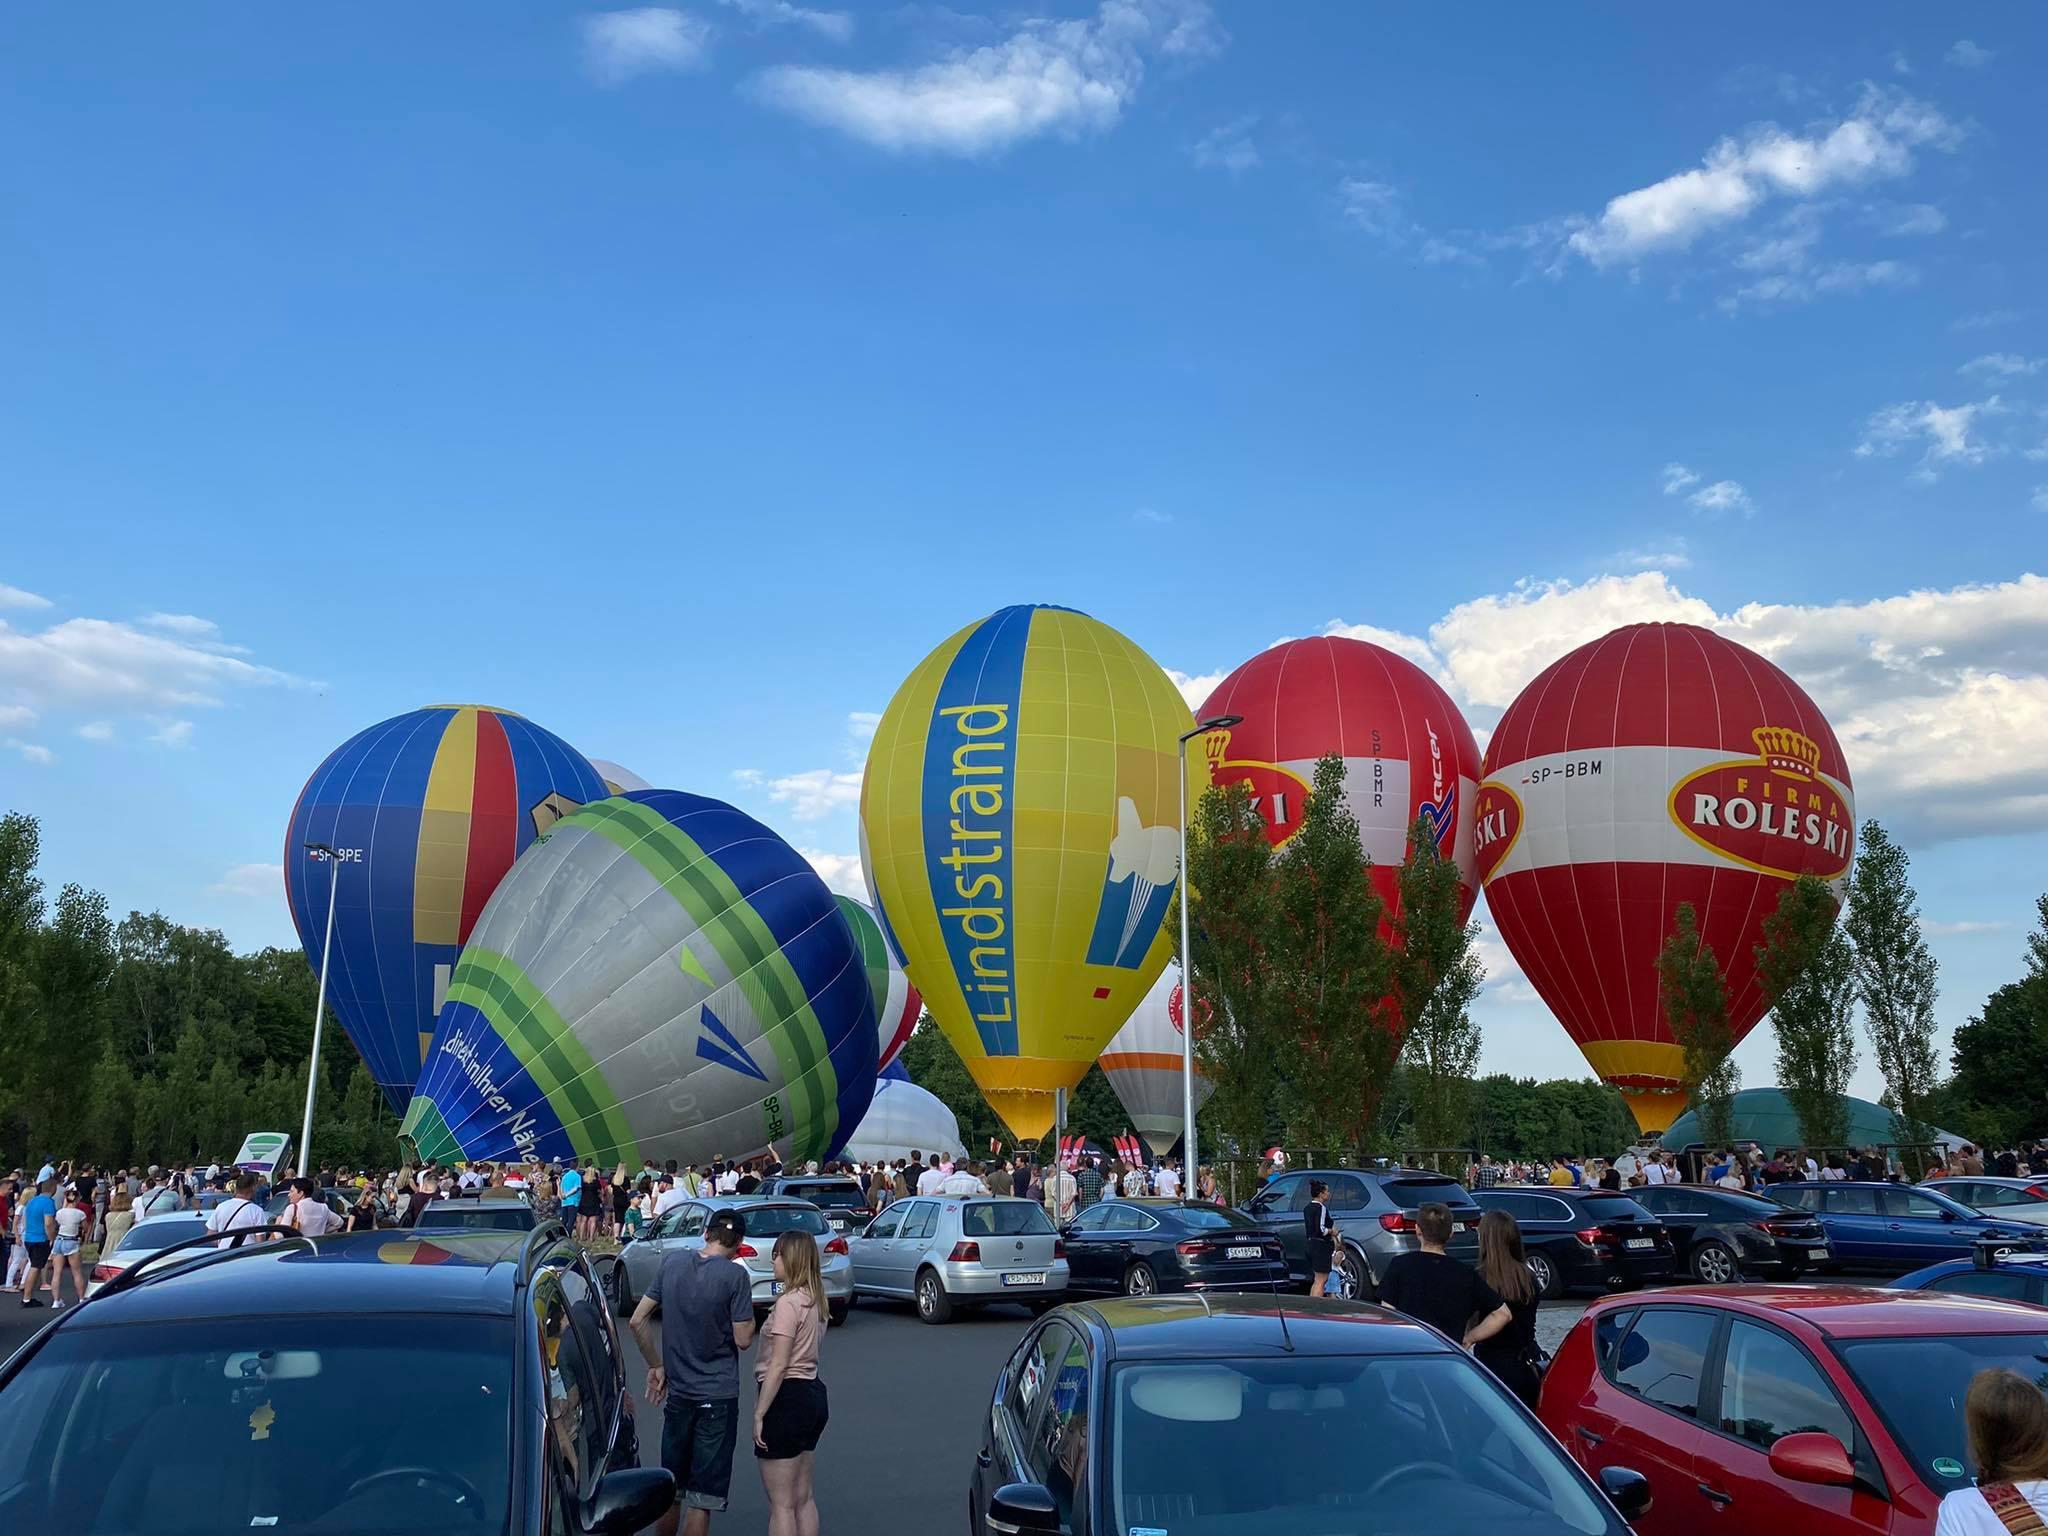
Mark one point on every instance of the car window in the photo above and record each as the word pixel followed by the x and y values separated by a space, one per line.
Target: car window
pixel 1128 1218
pixel 920 1220
pixel 1770 1388
pixel 1215 1218
pixel 1287 1193
pixel 774 1220
pixel 1611 1207
pixel 1987 1282
pixel 159 1234
pixel 885 1225
pixel 1410 1193
pixel 690 1220
pixel 1805 1198
pixel 1094 1219
pixel 1913 1203
pixel 599 1344
pixel 1609 1330
pixel 1549 1208
pixel 574 1410
pixel 1990 1194
pixel 1661 1359
pixel 1057 1452
pixel 1853 1200
pixel 1004 1218
pixel 1020 1390
pixel 1347 1193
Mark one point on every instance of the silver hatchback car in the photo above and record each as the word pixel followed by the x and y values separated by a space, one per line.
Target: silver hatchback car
pixel 630 1274
pixel 942 1252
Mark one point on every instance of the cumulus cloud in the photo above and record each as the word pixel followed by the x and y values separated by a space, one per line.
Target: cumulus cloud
pixel 1195 687
pixel 147 667
pixel 1967 55
pixel 2002 365
pixel 841 872
pixel 1066 78
pixel 34 752
pixel 861 723
pixel 250 880
pixel 1678 478
pixel 1948 434
pixel 811 795
pixel 617 45
pixel 14 597
pixel 1228 147
pixel 1739 176
pixel 1504 980
pixel 835 25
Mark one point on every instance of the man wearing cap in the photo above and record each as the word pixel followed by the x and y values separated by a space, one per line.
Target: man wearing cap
pixel 667 1196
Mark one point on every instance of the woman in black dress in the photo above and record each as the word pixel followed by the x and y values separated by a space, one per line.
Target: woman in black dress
pixel 1510 1354
pixel 1322 1245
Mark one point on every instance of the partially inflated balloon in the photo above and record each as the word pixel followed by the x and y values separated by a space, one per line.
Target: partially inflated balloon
pixel 1020 828
pixel 427 811
pixel 897 1004
pixel 1143 1064
pixel 904 1119
pixel 1658 765
pixel 663 977
pixel 618 780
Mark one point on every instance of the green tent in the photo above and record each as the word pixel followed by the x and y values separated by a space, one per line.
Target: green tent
pixel 1763 1116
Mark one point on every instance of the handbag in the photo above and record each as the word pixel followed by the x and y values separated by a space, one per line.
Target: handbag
pixel 2013 1509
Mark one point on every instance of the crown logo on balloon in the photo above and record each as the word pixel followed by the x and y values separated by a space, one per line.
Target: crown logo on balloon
pixel 1217 745
pixel 1787 752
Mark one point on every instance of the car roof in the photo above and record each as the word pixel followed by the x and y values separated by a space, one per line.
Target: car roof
pixel 1958 1266
pixel 350 1273
pixel 1852 1311
pixel 157 1216
pixel 1985 1178
pixel 1373 1173
pixel 1203 1325
pixel 749 1202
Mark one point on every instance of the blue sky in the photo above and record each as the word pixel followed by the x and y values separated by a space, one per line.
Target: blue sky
pixel 679 376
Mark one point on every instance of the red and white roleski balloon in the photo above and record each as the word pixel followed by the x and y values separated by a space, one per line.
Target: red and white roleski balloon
pixel 1660 764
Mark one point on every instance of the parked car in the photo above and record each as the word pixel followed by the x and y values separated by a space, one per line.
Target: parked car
pixel 1139 1247
pixel 2009 1277
pixel 1825 1410
pixel 1895 1226
pixel 468 1214
pixel 629 1274
pixel 501 1346
pixel 1256 1416
pixel 1373 1210
pixel 1585 1237
pixel 144 1238
pixel 2007 1199
pixel 1719 1235
pixel 943 1253
pixel 843 1201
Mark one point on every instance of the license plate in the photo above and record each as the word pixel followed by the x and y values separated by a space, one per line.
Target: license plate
pixel 1457 1227
pixel 1244 1253
pixel 1032 1277
pixel 1816 1253
pixel 774 1287
pixel 1642 1242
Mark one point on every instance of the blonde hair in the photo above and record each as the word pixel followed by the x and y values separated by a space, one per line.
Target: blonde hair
pixel 799 1254
pixel 2008 1419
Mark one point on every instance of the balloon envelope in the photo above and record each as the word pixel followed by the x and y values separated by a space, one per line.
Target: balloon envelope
pixel 1020 827
pixel 618 780
pixel 1660 764
pixel 427 810
pixel 905 1118
pixel 1143 1065
pixel 664 977
pixel 897 1004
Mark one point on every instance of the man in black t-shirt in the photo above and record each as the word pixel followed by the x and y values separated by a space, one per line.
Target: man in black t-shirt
pixel 1434 1288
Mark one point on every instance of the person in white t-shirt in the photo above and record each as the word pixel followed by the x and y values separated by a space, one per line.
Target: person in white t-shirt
pixel 729 1181
pixel 2007 1419
pixel 239 1210
pixel 668 1196
pixel 930 1181
pixel 962 1182
pixel 1169 1182
pixel 308 1214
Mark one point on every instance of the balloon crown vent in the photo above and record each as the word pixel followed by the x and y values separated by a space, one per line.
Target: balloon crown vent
pixel 1788 752
pixel 1216 744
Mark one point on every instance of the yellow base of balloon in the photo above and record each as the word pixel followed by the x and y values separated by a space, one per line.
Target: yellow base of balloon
pixel 1020 1090
pixel 1649 1074
pixel 1656 1110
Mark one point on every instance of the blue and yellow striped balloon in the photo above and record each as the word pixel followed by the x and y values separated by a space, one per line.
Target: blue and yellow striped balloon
pixel 1020 828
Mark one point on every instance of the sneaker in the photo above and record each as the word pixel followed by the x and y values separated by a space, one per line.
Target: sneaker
pixel 32 1302
pixel 58 1306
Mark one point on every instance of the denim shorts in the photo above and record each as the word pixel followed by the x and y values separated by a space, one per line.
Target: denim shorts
pixel 696 1445
pixel 64 1246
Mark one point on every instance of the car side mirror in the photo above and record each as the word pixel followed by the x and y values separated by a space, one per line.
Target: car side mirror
pixel 630 1498
pixel 1947 1214
pixel 1628 1490
pixel 1016 1508
pixel 1814 1458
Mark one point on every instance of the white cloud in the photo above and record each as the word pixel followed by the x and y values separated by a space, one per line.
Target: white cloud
pixel 1967 55
pixel 841 871
pixel 1677 478
pixel 97 730
pixel 1722 496
pixel 810 795
pixel 172 733
pixel 1835 277
pixel 1739 176
pixel 1901 65
pixel 103 664
pixel 2003 365
pixel 1946 930
pixel 1673 558
pixel 617 45
pixel 861 723
pixel 1393 640
pixel 35 753
pixel 2039 500
pixel 1048 77
pixel 1950 432
pixel 14 597
pixel 1987 320
pixel 1228 147
pixel 1902 220
pixel 16 715
pixel 250 880
pixel 1504 978
pixel 835 25
pixel 1195 687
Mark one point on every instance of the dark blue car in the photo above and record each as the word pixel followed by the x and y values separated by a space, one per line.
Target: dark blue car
pixel 2014 1277
pixel 1895 1226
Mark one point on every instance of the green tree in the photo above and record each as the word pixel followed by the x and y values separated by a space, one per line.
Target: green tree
pixel 1332 971
pixel 1436 978
pixel 21 923
pixel 2001 1067
pixel 1807 969
pixel 1895 978
pixel 1696 1007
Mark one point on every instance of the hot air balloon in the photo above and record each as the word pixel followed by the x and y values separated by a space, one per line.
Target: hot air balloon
pixel 903 1119
pixel 427 811
pixel 1020 828
pixel 617 780
pixel 1143 1065
pixel 1407 751
pixel 663 977
pixel 1660 764
pixel 897 1004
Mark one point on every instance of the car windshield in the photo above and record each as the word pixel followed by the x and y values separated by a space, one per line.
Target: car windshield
pixel 1918 1385
pixel 152 1235
pixel 774 1220
pixel 1393 1445
pixel 1211 1218
pixel 837 1196
pixel 103 1427
pixel 498 1216
pixel 1005 1218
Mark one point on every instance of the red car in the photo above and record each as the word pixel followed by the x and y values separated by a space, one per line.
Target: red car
pixel 1753 1409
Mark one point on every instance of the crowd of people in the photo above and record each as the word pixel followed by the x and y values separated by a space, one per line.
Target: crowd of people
pixel 1753 1168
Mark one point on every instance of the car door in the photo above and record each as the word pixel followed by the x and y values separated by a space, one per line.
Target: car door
pixel 1683 1212
pixel 906 1249
pixel 869 1251
pixel 1090 1249
pixel 1856 1225
pixel 1920 1229
pixel 1656 1375
pixel 1764 1386
pixel 1015 1413
pixel 1057 1452
pixel 1278 1209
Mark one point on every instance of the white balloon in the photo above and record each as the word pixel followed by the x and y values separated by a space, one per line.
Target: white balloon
pixel 616 779
pixel 1143 1065
pixel 904 1118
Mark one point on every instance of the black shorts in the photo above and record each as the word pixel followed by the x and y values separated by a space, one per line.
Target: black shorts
pixel 589 1203
pixel 1320 1256
pixel 696 1445
pixel 796 1420
pixel 38 1254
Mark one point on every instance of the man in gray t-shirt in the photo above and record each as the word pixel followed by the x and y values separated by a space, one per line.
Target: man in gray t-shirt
pixel 705 1300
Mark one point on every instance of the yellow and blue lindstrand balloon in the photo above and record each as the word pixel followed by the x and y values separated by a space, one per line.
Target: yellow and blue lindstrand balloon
pixel 1020 830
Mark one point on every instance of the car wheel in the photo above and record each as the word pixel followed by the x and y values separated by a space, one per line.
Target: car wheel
pixel 933 1304
pixel 1139 1280
pixel 618 1288
pixel 1549 1283
pixel 1714 1264
pixel 840 1311
pixel 1349 1279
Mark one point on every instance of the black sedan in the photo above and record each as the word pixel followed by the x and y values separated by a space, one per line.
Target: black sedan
pixel 1270 1416
pixel 1718 1235
pixel 1585 1237
pixel 1138 1247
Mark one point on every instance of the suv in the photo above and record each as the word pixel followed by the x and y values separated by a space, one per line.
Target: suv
pixel 632 1272
pixel 1373 1210
pixel 518 1416
pixel 843 1201
pixel 1584 1237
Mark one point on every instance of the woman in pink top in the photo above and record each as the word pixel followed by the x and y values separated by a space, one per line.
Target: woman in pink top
pixel 789 1400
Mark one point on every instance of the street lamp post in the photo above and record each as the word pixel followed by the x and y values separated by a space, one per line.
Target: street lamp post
pixel 320 850
pixel 1188 1161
